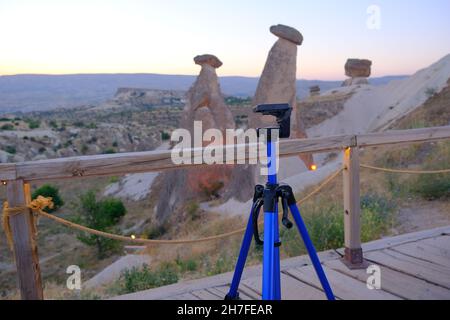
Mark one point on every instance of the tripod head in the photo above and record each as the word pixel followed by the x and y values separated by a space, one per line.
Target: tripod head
pixel 282 111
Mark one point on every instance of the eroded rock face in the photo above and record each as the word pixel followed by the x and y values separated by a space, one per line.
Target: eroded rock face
pixel 358 68
pixel 278 82
pixel 355 81
pixel 205 103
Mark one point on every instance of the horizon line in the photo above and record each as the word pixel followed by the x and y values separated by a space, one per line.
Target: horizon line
pixel 177 74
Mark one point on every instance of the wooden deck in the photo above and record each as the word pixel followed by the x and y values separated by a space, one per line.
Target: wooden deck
pixel 413 266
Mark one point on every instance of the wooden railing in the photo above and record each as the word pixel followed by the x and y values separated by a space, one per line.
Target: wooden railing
pixel 16 176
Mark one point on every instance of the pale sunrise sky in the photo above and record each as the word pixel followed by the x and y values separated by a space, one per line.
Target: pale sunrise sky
pixel 152 36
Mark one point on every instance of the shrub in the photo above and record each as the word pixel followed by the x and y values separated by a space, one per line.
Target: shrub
pixel 156 231
pixel 91 125
pixel 432 186
pixel 186 265
pixel 84 149
pixel 165 136
pixel 48 190
pixel 7 126
pixel 53 124
pixel 109 151
pixel 138 279
pixel 430 92
pixel 10 149
pixel 33 123
pixel 192 209
pixel 79 124
pixel 101 215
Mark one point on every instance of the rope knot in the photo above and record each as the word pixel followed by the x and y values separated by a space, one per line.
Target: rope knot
pixel 41 203
pixel 36 206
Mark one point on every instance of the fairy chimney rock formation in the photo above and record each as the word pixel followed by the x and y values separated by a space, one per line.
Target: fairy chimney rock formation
pixel 204 99
pixel 205 103
pixel 314 91
pixel 278 81
pixel 358 70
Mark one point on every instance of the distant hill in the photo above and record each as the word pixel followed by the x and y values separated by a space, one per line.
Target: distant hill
pixel 43 92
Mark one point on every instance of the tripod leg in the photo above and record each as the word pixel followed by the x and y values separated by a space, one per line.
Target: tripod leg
pixel 277 277
pixel 311 251
pixel 240 264
pixel 268 283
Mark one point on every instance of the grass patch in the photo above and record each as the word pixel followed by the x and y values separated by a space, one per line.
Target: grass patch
pixel 325 223
pixel 430 156
pixel 138 279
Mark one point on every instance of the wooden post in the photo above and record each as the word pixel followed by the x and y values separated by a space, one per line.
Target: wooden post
pixel 353 256
pixel 25 246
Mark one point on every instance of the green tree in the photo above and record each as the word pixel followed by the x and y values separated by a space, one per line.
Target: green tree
pixel 10 149
pixel 48 190
pixel 100 215
pixel 33 123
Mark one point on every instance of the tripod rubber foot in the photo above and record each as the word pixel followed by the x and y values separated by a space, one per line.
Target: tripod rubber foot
pixel 229 297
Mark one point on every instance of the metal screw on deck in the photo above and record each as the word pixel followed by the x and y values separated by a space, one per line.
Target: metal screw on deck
pixel 267 197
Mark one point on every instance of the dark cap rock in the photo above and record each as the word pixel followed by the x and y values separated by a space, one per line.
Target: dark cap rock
pixel 358 68
pixel 209 59
pixel 287 33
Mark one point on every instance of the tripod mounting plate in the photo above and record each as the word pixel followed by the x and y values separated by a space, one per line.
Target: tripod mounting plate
pixel 282 112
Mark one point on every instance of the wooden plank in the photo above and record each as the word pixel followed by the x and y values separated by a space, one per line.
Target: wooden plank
pixel 291 289
pixel 352 207
pixel 7 171
pixel 25 246
pixel 343 286
pixel 397 283
pixel 184 296
pixel 425 252
pixel 135 162
pixel 205 295
pixel 421 269
pixel 442 242
pixel 403 136
pixel 244 294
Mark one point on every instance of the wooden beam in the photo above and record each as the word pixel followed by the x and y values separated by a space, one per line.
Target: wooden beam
pixel 25 247
pixel 135 162
pixel 353 256
pixel 403 136
pixel 7 171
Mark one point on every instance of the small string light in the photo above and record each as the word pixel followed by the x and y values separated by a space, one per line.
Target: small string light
pixel 313 167
pixel 133 236
pixel 4 183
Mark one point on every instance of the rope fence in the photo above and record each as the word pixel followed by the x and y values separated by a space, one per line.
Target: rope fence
pixel 405 170
pixel 38 205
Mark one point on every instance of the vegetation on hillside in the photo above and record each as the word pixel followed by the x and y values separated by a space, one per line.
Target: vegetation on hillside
pixel 100 215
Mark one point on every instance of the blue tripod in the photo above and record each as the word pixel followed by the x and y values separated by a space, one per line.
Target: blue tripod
pixel 268 197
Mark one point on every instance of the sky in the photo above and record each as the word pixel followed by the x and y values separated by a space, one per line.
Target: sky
pixel 163 36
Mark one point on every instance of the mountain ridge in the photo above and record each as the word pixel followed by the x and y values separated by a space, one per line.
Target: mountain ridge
pixel 39 92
